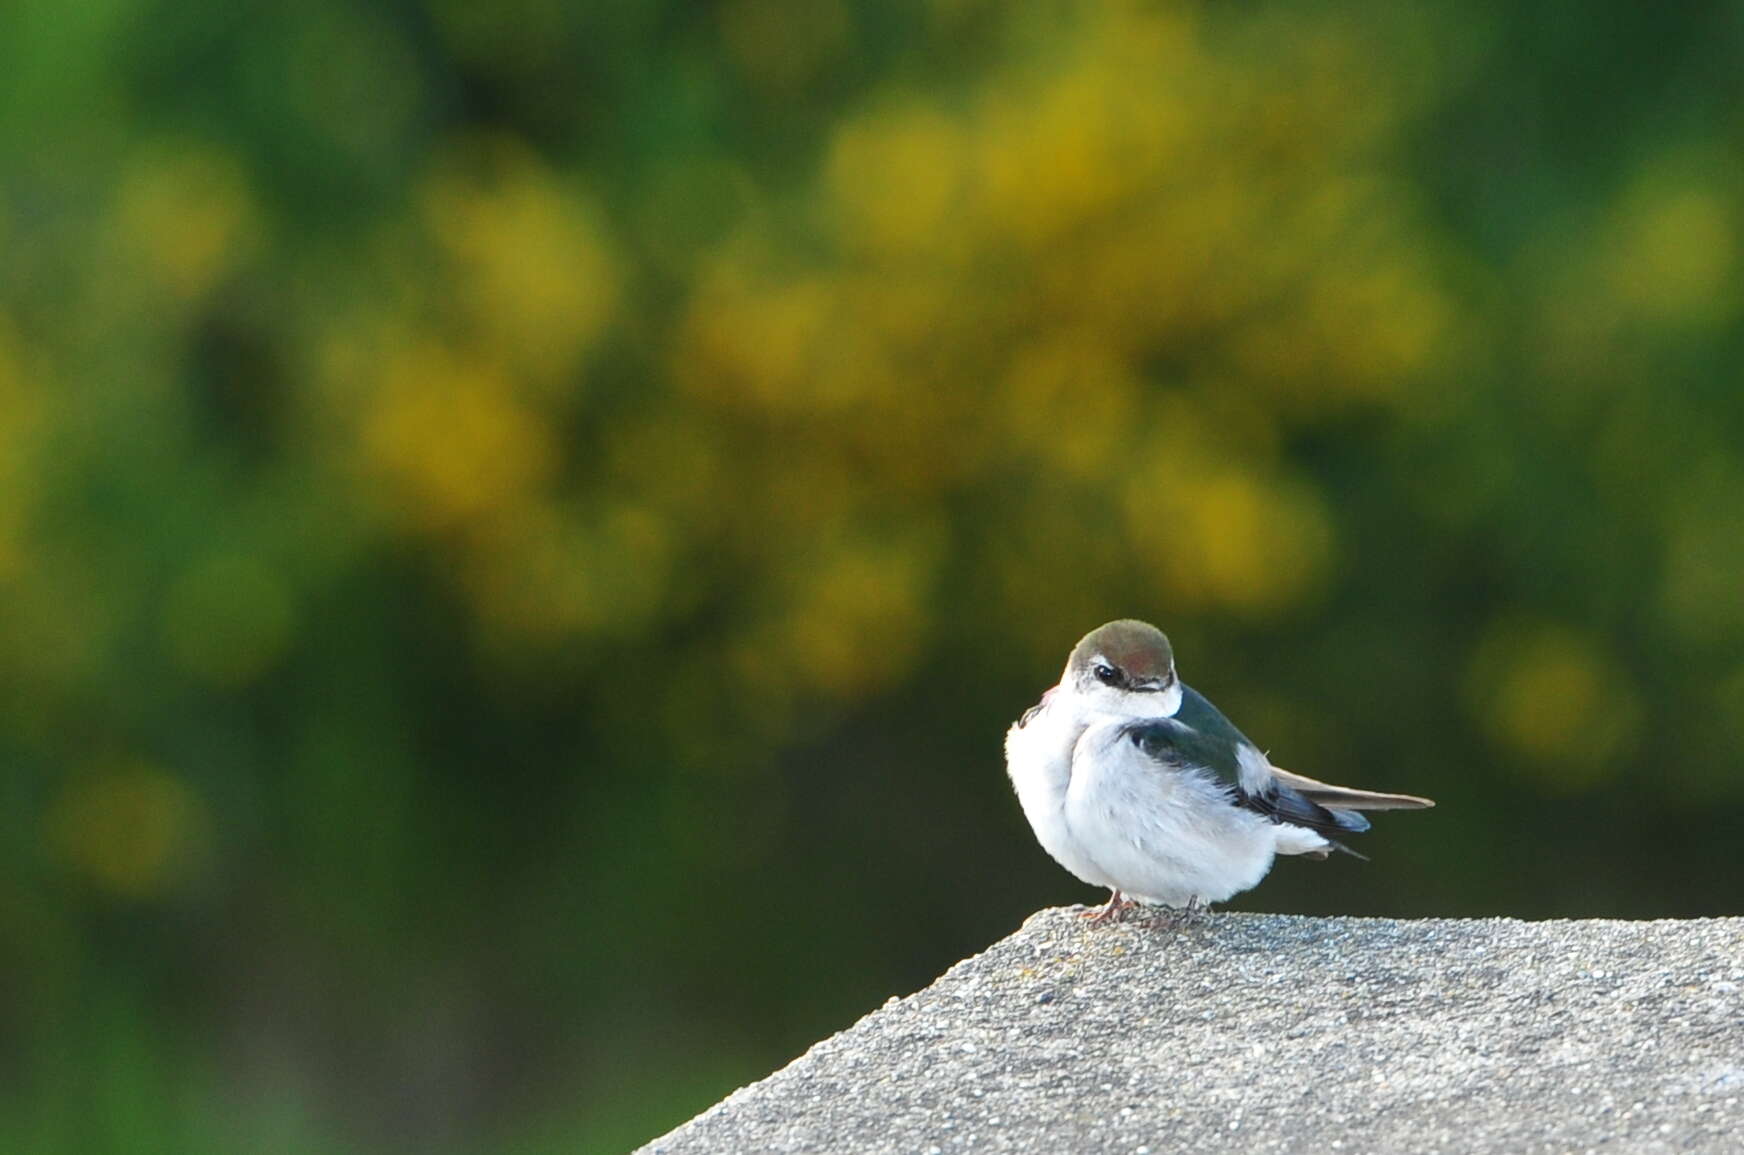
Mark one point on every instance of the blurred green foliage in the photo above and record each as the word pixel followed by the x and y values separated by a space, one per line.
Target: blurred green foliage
pixel 522 525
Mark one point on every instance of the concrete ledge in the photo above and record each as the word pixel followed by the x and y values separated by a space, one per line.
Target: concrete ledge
pixel 1269 1033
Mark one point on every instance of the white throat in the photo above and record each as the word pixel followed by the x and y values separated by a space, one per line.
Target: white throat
pixel 1156 704
pixel 1128 703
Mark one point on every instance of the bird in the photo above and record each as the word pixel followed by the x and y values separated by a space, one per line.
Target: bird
pixel 1134 781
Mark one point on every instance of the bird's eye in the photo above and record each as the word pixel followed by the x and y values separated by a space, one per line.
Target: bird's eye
pixel 1106 674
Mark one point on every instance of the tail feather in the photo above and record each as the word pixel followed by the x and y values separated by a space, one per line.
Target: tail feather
pixel 1349 820
pixel 1344 797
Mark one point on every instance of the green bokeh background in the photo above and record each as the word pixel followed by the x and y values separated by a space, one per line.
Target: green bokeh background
pixel 522 525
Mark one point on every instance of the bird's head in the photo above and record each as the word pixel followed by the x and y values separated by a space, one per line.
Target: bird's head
pixel 1125 667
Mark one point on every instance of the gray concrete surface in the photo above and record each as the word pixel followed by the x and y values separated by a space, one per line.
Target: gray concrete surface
pixel 1268 1033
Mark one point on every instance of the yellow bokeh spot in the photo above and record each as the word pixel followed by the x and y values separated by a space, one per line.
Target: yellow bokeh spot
pixel 1556 697
pixel 534 273
pixel 187 213
pixel 1061 148
pixel 132 831
pixel 452 439
pixel 1674 250
pixel 1379 325
pixel 856 620
pixel 897 177
pixel 1049 160
pixel 751 343
pixel 227 619
pixel 1253 544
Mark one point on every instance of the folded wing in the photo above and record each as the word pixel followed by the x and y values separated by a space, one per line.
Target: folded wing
pixel 1200 736
pixel 1176 746
pixel 1196 711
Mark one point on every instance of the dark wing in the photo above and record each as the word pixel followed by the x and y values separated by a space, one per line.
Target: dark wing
pixel 1282 804
pixel 1179 747
pixel 1177 743
pixel 1200 714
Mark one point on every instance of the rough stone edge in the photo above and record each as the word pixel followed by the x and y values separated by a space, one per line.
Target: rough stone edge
pixel 894 1001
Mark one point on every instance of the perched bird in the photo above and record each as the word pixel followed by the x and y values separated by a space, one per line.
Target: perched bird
pixel 1133 781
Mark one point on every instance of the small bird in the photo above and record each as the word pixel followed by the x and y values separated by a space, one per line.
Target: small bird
pixel 1133 781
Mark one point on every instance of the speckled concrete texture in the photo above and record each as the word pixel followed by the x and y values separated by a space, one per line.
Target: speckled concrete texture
pixel 1263 1033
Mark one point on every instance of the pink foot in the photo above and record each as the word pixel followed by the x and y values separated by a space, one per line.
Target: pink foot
pixel 1118 904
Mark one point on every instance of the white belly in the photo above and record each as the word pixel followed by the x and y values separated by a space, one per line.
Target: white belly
pixel 1158 834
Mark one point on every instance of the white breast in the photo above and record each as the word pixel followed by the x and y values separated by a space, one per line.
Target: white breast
pixel 1038 757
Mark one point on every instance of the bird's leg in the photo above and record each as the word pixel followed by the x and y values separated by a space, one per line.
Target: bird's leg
pixel 1181 916
pixel 1118 904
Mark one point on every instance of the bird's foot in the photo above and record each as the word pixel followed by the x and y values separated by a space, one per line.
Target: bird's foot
pixel 1118 904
